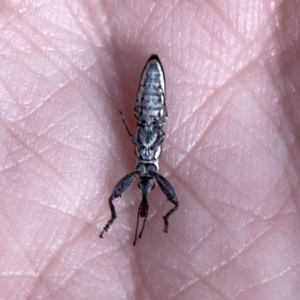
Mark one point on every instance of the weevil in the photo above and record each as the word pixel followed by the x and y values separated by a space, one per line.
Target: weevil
pixel 150 111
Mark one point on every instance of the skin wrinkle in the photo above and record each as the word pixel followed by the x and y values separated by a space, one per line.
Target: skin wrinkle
pixel 202 239
pixel 61 176
pixel 208 101
pixel 52 24
pixel 10 93
pixel 57 185
pixel 66 145
pixel 211 213
pixel 43 53
pixel 63 190
pixel 61 140
pixel 15 238
pixel 216 174
pixel 246 247
pixel 259 139
pixel 58 209
pixel 57 123
pixel 282 134
pixel 170 270
pixel 212 33
pixel 280 207
pixel 224 179
pixel 51 95
pixel 14 227
pixel 241 71
pixel 31 155
pixel 27 147
pixel 18 51
pixel 155 27
pixel 60 89
pixel 237 34
pixel 292 81
pixel 285 247
pixel 257 36
pixel 104 25
pixel 62 284
pixel 241 251
pixel 247 223
pixel 250 43
pixel 236 255
pixel 184 289
pixel 43 282
pixel 82 29
pixel 262 108
pixel 84 192
pixel 188 33
pixel 15 163
pixel 146 20
pixel 209 123
pixel 189 71
pixel 135 16
pixel 215 289
pixel 48 266
pixel 286 72
pixel 267 280
pixel 293 192
pixel 144 276
pixel 283 165
pixel 21 62
pixel 281 178
pixel 277 181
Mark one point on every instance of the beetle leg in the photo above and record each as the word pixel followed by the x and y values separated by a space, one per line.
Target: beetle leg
pixel 133 139
pixel 169 191
pixel 159 140
pixel 117 192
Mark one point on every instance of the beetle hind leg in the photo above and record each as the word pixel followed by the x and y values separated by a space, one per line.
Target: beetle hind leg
pixel 117 192
pixel 170 193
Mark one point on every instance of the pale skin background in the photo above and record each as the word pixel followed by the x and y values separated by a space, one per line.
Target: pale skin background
pixel 231 152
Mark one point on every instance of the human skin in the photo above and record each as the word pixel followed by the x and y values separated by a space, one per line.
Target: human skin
pixel 231 150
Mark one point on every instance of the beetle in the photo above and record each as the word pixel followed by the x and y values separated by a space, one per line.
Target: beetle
pixel 150 111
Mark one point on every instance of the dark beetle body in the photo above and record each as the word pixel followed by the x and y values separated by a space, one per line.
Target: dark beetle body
pixel 150 112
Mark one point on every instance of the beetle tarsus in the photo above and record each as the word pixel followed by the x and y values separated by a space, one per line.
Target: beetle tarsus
pixel 119 189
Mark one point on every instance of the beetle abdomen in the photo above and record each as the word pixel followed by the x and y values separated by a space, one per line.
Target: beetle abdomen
pixel 150 103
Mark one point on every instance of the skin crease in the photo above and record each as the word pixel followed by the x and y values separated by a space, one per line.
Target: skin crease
pixel 231 151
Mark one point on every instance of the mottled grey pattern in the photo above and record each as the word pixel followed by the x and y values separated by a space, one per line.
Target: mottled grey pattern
pixel 150 112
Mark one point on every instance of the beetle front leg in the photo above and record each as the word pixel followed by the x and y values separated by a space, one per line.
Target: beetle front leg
pixel 133 139
pixel 169 191
pixel 117 192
